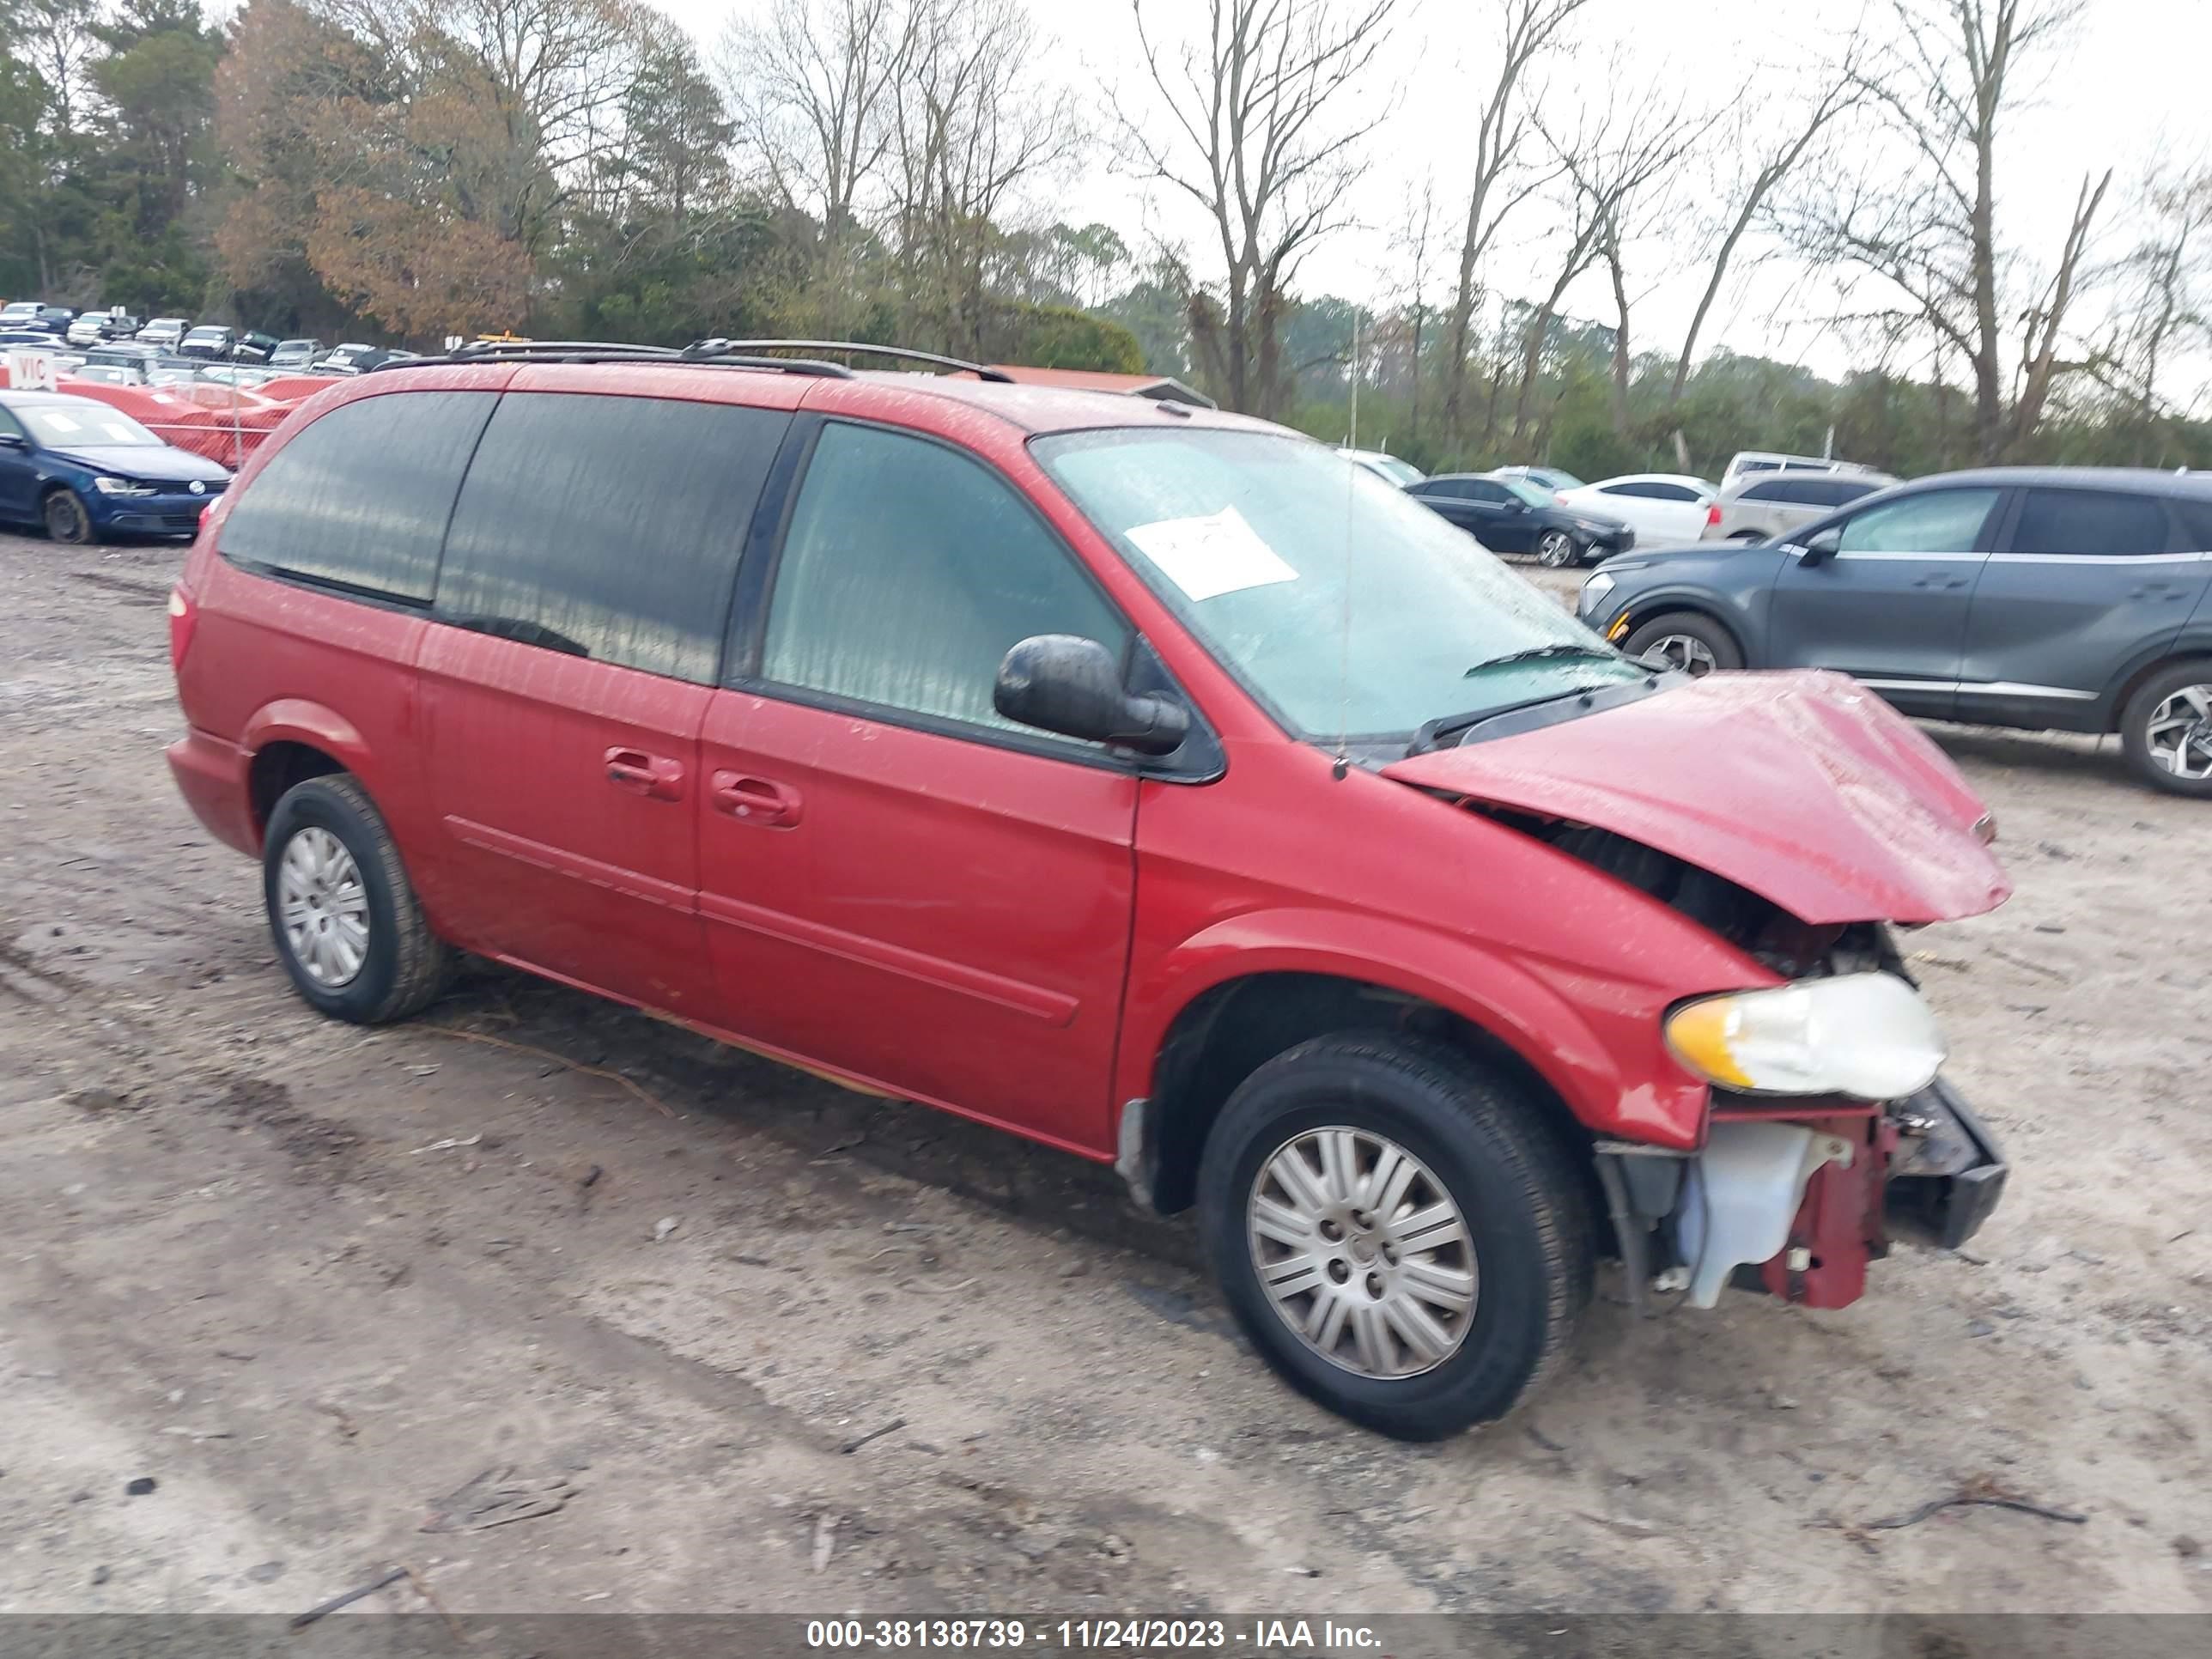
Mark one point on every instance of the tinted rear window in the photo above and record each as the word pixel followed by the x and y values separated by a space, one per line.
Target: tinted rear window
pixel 609 527
pixel 360 499
pixel 2090 522
pixel 1802 492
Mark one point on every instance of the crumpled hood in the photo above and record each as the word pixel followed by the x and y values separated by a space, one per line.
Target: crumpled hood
pixel 1804 787
pixel 168 464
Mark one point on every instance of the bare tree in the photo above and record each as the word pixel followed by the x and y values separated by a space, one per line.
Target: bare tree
pixel 1608 163
pixel 970 125
pixel 1775 163
pixel 1530 27
pixel 2163 303
pixel 810 88
pixel 1416 239
pixel 1263 132
pixel 1928 229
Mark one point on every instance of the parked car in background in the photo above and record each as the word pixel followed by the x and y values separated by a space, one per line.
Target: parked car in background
pixel 16 310
pixel 1763 505
pixel 1384 466
pixel 1748 461
pixel 2064 599
pixel 252 347
pixel 1555 479
pixel 164 332
pixel 350 359
pixel 1516 515
pixel 295 354
pixel 1660 507
pixel 208 340
pixel 85 471
pixel 97 327
pixel 11 336
pixel 51 320
pixel 1405 1002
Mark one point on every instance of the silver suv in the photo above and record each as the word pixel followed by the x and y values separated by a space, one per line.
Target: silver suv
pixel 1765 505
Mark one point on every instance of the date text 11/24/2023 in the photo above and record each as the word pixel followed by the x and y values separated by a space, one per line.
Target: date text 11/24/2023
pixel 1278 1638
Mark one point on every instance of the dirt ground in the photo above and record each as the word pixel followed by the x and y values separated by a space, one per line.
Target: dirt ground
pixel 308 1282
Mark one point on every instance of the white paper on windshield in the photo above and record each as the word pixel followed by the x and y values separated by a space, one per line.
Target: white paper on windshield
pixel 1216 554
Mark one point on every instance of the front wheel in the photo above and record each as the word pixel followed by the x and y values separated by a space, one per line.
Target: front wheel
pixel 1556 549
pixel 1402 1237
pixel 1686 642
pixel 67 518
pixel 2166 731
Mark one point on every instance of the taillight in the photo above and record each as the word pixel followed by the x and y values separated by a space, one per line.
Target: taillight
pixel 1713 513
pixel 183 615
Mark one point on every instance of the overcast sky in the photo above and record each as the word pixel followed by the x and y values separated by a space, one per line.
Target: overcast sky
pixel 2127 85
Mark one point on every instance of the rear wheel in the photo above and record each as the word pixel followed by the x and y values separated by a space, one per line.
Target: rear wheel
pixel 341 909
pixel 2166 730
pixel 1686 642
pixel 1556 549
pixel 1402 1236
pixel 67 518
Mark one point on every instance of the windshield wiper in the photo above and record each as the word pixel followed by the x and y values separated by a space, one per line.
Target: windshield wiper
pixel 1445 725
pixel 1537 652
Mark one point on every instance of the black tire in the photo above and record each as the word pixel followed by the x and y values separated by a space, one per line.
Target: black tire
pixel 1509 1170
pixel 2136 736
pixel 1556 549
pixel 67 518
pixel 403 967
pixel 1688 625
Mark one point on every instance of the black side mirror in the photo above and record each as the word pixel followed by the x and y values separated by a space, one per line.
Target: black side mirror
pixel 1822 548
pixel 1059 682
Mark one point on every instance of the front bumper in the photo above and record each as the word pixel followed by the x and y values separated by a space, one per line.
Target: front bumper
pixel 165 515
pixel 1944 1182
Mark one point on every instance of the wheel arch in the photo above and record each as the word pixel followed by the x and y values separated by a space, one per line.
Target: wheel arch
pixel 290 741
pixel 1219 1032
pixel 2195 647
pixel 1643 610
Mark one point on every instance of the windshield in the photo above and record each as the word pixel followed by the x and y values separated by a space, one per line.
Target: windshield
pixel 1343 604
pixel 94 426
pixel 1397 471
pixel 1533 493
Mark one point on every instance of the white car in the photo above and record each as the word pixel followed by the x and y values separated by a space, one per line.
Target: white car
pixel 1664 508
pixel 1387 467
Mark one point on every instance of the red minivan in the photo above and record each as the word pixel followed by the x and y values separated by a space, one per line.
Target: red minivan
pixel 1151 781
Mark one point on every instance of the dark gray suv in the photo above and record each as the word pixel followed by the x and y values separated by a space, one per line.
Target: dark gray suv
pixel 2066 598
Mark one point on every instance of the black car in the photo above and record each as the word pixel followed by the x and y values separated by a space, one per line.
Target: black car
pixel 2059 599
pixel 253 347
pixel 46 319
pixel 1512 516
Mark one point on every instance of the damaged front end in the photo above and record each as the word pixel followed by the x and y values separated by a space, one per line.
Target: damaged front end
pixel 1794 1198
pixel 1793 1194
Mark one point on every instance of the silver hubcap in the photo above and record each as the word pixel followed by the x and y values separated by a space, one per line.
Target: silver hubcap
pixel 1681 652
pixel 1555 549
pixel 323 907
pixel 2180 735
pixel 1365 1255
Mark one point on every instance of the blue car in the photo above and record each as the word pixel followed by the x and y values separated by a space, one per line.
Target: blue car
pixel 86 471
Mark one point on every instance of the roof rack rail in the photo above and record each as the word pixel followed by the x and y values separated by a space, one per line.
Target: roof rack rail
pixel 609 351
pixel 715 350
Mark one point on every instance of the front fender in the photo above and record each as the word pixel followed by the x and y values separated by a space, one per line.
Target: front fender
pixel 1595 1040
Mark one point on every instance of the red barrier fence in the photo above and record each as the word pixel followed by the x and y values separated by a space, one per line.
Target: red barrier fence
pixel 224 424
